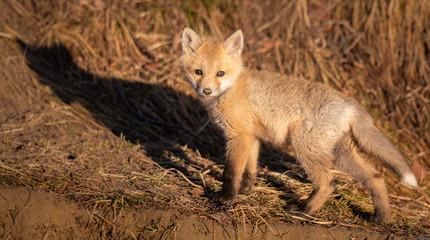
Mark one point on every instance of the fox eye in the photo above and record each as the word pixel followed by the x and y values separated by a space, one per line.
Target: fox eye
pixel 220 73
pixel 198 72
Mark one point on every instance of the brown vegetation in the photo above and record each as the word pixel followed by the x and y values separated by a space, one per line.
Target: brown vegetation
pixel 94 108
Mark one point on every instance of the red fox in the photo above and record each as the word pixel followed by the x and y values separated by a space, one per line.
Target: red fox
pixel 324 127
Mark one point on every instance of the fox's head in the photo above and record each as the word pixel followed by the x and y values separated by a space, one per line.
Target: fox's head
pixel 211 65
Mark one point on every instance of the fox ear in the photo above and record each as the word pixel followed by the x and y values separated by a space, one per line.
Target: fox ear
pixel 234 43
pixel 190 40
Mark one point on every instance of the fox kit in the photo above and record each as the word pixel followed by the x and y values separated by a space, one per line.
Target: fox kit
pixel 324 127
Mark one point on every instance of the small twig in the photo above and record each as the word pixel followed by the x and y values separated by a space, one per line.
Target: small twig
pixel 132 234
pixel 5 35
pixel 12 130
pixel 267 224
pixel 271 219
pixel 244 219
pixel 308 218
pixel 91 215
pixel 2 165
pixel 285 174
pixel 203 180
pixel 400 197
pixel 183 176
pixel 113 175
pixel 104 219
pixel 62 122
pixel 147 159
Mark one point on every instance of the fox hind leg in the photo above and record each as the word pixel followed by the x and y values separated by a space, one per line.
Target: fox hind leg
pixel 322 181
pixel 317 162
pixel 348 160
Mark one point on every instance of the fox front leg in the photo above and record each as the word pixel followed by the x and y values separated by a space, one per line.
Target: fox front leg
pixel 250 172
pixel 238 153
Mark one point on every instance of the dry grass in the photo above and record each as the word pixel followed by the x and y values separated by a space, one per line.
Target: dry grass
pixel 93 106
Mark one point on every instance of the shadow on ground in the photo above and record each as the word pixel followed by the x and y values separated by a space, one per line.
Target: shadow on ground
pixel 157 117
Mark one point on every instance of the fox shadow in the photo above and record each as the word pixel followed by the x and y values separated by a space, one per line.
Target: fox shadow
pixel 157 117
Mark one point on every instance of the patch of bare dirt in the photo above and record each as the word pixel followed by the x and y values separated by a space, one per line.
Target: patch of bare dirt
pixel 29 214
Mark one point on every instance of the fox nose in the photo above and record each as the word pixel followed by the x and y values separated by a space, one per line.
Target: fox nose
pixel 207 91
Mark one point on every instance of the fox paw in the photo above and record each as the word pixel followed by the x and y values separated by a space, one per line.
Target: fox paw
pixel 380 218
pixel 225 198
pixel 245 190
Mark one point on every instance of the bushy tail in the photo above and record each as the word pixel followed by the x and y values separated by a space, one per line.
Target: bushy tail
pixel 375 142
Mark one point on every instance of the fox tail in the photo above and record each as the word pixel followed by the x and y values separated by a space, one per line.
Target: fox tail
pixel 375 142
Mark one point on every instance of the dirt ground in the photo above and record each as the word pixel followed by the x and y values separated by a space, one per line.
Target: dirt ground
pixel 29 214
pixel 102 138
